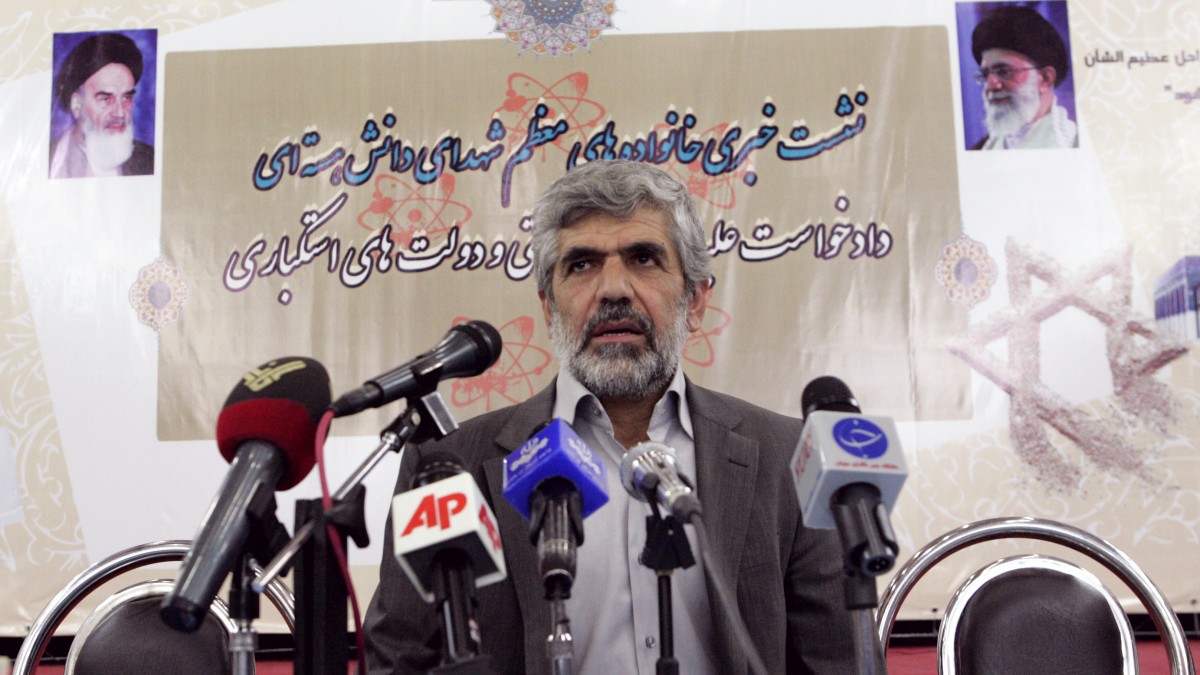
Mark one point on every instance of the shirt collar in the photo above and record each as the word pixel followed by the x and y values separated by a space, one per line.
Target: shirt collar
pixel 572 399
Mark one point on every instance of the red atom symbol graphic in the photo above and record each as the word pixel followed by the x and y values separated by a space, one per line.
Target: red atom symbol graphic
pixel 427 209
pixel 566 97
pixel 510 379
pixel 698 349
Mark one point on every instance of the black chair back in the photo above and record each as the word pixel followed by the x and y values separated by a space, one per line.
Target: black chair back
pixel 130 637
pixel 1036 614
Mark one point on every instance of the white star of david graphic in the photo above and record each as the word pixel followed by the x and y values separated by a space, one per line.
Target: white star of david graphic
pixel 1134 351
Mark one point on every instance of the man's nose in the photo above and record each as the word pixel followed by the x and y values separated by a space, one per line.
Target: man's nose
pixel 614 281
pixel 993 83
pixel 122 109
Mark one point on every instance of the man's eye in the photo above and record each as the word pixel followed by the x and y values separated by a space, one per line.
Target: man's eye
pixel 578 265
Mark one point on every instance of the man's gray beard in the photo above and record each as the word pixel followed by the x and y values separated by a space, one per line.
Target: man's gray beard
pixel 106 151
pixel 1008 117
pixel 621 371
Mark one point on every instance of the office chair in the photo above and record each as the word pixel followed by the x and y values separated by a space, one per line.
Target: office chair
pixel 88 580
pixel 1035 614
pixel 1165 620
pixel 125 634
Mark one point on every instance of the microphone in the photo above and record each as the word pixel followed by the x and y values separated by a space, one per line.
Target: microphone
pixel 849 469
pixel 555 481
pixel 649 470
pixel 266 430
pixel 467 350
pixel 445 538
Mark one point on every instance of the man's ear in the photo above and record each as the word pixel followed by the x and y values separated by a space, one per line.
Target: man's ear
pixel 1048 74
pixel 697 304
pixel 76 105
pixel 546 309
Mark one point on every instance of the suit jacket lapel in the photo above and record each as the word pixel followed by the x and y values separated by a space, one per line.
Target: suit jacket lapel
pixel 726 467
pixel 520 556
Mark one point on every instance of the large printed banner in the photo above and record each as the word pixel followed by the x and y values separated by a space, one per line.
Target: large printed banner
pixel 354 202
pixel 981 215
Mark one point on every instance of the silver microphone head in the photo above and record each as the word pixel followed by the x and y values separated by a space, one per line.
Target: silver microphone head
pixel 651 467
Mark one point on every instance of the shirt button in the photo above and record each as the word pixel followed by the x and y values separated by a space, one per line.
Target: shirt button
pixel 650 641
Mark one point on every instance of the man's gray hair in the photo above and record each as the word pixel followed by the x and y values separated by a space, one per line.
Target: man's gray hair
pixel 617 189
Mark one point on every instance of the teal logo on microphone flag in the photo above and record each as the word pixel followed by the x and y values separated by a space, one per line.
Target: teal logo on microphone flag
pixel 860 437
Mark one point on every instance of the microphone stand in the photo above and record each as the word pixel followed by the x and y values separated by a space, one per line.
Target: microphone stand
pixel 454 593
pixel 321 594
pixel 243 609
pixel 666 550
pixel 266 536
pixel 556 529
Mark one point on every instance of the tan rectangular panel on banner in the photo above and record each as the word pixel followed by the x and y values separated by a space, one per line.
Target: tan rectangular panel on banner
pixel 351 203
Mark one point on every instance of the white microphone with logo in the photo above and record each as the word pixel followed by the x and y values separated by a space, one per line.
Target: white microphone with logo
pixel 849 469
pixel 446 540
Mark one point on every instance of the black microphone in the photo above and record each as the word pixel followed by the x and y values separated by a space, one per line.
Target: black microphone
pixel 267 430
pixel 467 350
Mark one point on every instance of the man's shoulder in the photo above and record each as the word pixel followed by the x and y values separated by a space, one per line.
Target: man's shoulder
pixel 141 162
pixel 491 420
pixel 738 414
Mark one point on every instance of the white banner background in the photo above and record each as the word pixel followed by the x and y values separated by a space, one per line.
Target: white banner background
pixel 79 392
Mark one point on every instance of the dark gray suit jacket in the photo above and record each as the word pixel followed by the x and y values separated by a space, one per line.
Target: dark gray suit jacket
pixel 786 578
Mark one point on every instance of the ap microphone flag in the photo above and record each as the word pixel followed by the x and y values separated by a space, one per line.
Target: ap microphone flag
pixel 447 514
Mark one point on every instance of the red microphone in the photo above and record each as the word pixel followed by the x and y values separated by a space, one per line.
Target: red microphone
pixel 267 431
pixel 280 402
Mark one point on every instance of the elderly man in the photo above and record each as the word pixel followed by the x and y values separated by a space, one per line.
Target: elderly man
pixel 1022 60
pixel 96 85
pixel 623 276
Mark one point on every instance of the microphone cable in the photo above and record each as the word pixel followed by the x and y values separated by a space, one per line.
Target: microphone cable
pixel 335 541
pixel 866 631
pixel 725 598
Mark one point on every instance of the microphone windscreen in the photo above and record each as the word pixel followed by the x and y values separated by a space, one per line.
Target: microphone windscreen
pixel 279 402
pixel 487 340
pixel 436 465
pixel 828 393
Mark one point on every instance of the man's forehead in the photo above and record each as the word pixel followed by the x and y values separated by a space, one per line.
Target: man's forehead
pixel 998 55
pixel 114 78
pixel 599 229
